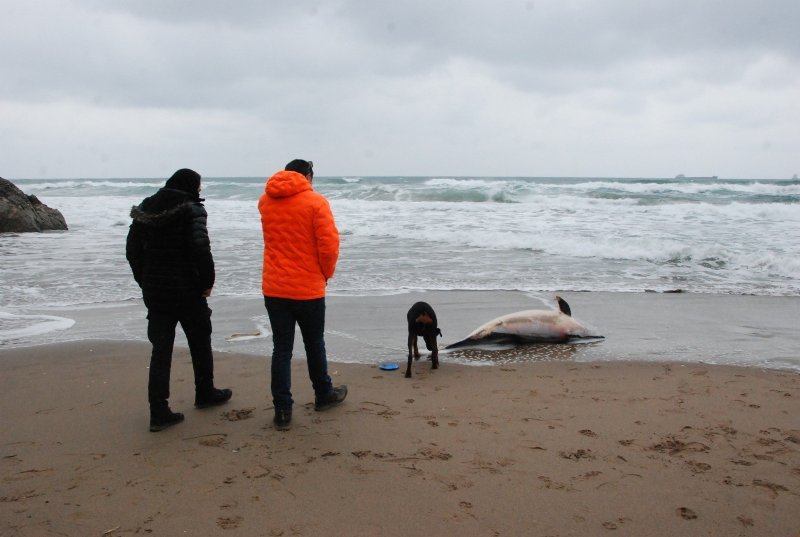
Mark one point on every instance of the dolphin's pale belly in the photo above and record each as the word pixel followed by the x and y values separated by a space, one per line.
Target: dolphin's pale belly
pixel 531 326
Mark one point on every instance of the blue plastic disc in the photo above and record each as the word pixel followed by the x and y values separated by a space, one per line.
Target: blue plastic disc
pixel 389 366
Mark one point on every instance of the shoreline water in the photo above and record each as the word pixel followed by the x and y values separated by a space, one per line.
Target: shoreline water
pixel 752 331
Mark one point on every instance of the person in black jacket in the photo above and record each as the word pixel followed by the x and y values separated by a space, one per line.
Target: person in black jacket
pixel 169 252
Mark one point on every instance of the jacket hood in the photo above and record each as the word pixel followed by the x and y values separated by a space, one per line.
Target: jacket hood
pixel 185 180
pixel 285 183
pixel 164 207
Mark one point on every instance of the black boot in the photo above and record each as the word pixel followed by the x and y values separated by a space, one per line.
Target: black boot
pixel 282 419
pixel 162 417
pixel 212 397
pixel 331 399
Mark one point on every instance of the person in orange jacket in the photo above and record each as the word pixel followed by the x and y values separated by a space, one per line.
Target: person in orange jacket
pixel 301 248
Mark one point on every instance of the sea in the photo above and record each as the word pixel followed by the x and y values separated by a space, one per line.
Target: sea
pixel 402 234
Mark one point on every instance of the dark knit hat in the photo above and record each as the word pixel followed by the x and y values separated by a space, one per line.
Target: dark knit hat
pixel 185 180
pixel 304 167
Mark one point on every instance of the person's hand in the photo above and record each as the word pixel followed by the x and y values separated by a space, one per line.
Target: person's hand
pixel 206 293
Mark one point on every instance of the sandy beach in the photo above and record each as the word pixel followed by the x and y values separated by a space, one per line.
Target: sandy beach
pixel 553 449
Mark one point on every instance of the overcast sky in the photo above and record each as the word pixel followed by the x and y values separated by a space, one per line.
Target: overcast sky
pixel 589 88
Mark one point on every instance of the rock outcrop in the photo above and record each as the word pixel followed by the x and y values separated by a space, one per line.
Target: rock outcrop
pixel 20 212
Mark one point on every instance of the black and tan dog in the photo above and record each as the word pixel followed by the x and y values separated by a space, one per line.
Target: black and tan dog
pixel 422 322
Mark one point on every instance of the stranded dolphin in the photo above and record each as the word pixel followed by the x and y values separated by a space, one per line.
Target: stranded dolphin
pixel 530 326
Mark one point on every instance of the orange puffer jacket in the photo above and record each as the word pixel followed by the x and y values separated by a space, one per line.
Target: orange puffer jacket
pixel 301 242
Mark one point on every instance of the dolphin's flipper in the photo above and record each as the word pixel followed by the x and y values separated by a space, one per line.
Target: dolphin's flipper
pixel 497 338
pixel 463 343
pixel 489 338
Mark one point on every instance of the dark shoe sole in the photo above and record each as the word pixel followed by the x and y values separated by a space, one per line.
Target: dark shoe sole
pixel 156 427
pixel 282 424
pixel 215 402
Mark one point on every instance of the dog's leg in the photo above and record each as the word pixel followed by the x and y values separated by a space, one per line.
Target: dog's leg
pixel 412 342
pixel 435 358
pixel 416 349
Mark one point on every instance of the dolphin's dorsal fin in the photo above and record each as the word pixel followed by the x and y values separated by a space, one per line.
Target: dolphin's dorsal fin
pixel 563 306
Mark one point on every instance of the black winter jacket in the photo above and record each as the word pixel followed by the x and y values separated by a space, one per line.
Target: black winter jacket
pixel 168 248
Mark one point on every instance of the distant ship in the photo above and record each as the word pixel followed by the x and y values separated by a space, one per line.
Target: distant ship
pixel 681 176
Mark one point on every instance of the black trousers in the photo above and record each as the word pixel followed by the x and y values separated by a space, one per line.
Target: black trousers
pixel 194 316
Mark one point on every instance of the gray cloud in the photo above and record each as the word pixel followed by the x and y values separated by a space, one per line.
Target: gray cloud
pixel 413 87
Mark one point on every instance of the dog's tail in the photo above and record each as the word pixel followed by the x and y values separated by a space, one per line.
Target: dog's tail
pixel 430 339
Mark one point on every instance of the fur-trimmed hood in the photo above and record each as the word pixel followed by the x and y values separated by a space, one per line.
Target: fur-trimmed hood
pixel 166 207
pixel 168 248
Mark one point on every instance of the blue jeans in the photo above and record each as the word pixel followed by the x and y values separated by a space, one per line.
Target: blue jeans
pixel 309 315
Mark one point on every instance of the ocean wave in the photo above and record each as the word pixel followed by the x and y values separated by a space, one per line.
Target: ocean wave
pixel 479 190
pixel 84 184
pixel 457 189
pixel 414 233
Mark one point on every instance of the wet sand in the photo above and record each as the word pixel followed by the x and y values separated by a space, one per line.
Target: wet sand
pixel 556 448
pixel 758 331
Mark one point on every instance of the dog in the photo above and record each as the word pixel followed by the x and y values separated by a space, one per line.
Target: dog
pixel 422 322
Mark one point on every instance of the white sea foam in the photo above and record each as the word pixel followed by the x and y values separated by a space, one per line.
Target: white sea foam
pixel 26 326
pixel 400 234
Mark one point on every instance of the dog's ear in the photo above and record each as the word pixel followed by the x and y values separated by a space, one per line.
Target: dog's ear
pixel 439 331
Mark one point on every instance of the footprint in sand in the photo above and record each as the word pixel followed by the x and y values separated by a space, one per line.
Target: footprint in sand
pixel 434 454
pixel 686 513
pixel 590 475
pixel 577 454
pixel 556 485
pixel 238 414
pixel 214 440
pixel 616 524
pixel 673 446
pixel 773 488
pixel 698 467
pixel 229 523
